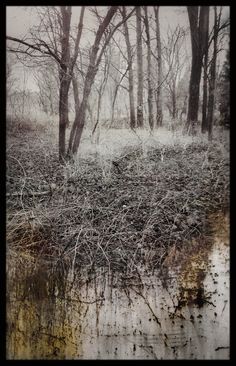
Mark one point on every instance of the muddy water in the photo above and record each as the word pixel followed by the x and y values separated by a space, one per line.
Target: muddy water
pixel 185 317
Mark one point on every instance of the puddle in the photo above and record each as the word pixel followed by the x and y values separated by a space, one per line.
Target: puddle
pixel 187 319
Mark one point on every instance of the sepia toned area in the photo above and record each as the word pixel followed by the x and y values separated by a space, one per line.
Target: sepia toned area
pixel 117 177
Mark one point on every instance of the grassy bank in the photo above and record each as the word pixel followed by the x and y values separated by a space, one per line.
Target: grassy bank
pixel 124 204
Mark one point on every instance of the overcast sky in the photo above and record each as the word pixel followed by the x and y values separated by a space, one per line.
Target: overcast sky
pixel 21 18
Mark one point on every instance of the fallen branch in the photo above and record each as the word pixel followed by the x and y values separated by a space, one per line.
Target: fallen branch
pixel 15 194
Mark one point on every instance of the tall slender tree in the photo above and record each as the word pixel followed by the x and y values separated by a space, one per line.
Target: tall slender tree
pixel 205 68
pixel 130 65
pixel 224 92
pixel 54 32
pixel 94 62
pixel 149 75
pixel 139 67
pixel 159 114
pixel 196 16
pixel 212 80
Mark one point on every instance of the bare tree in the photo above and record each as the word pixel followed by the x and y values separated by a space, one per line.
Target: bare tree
pixel 54 31
pixel 197 17
pixel 159 114
pixel 130 68
pixel 139 68
pixel 149 75
pixel 205 67
pixel 47 81
pixel 66 72
pixel 101 88
pixel 53 38
pixel 175 62
pixel 94 61
pixel 209 79
pixel 217 28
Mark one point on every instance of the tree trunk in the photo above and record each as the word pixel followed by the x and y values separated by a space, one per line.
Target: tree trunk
pixel 75 92
pixel 174 103
pixel 139 68
pixel 184 108
pixel 212 81
pixel 63 116
pixel 159 115
pixel 196 27
pixel 149 76
pixel 78 125
pixel 131 77
pixel 64 80
pixel 204 97
pixel 205 65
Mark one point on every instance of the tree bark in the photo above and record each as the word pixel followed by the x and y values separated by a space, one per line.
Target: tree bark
pixel 212 81
pixel 196 20
pixel 174 107
pixel 205 94
pixel 205 67
pixel 75 92
pixel 139 68
pixel 131 77
pixel 66 70
pixel 159 114
pixel 64 80
pixel 149 76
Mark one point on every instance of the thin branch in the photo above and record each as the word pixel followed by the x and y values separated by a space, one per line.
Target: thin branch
pixel 35 47
pixel 111 34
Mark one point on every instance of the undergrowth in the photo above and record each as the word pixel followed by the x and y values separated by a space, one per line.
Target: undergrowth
pixel 117 208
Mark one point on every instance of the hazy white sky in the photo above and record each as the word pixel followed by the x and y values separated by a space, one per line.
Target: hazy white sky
pixel 21 18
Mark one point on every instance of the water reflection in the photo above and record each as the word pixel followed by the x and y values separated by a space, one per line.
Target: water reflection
pixel 51 317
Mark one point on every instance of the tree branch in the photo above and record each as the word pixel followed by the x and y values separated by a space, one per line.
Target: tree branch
pixel 35 47
pixel 111 34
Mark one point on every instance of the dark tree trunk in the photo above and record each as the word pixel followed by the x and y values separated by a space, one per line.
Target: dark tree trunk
pixel 139 68
pixel 78 125
pixel 79 122
pixel 205 94
pixel 64 80
pixel 149 76
pixel 174 111
pixel 196 21
pixel 63 117
pixel 212 81
pixel 131 77
pixel 159 115
pixel 75 92
pixel 205 65
pixel 66 71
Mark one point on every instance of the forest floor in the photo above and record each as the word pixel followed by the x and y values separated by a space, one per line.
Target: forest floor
pixel 129 202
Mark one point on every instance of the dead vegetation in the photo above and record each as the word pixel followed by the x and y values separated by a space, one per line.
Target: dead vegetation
pixel 123 213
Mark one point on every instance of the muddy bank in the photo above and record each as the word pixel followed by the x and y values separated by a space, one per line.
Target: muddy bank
pixel 58 315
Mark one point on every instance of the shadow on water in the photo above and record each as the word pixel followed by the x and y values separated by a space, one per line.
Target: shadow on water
pixel 52 314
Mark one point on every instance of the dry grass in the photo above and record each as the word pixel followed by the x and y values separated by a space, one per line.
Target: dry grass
pixel 123 204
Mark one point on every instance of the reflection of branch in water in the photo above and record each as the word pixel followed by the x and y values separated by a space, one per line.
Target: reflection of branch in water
pixel 225 302
pixel 149 350
pixel 149 306
pixel 218 348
